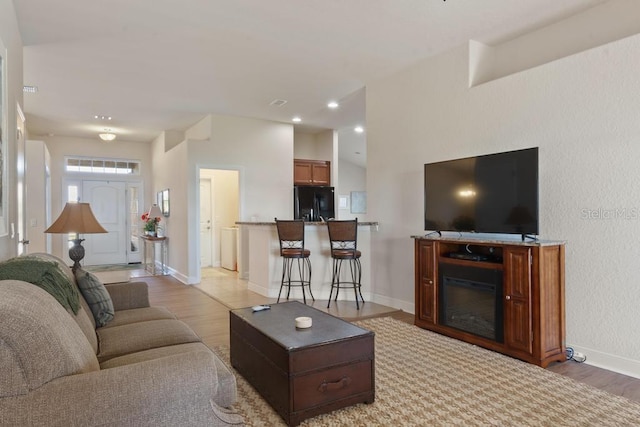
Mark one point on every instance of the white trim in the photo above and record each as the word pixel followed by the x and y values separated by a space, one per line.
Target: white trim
pixel 609 362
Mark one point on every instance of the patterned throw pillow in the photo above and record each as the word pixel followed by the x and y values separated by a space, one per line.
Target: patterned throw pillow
pixel 96 296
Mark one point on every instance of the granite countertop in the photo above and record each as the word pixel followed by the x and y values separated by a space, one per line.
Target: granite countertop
pixel 322 223
pixel 467 239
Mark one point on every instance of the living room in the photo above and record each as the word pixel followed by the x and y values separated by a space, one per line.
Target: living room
pixel 578 106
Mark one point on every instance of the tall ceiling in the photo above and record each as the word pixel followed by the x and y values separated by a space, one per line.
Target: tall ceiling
pixel 155 65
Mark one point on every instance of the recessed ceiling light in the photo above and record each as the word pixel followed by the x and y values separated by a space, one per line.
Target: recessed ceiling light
pixel 29 89
pixel 296 119
pixel 333 104
pixel 359 129
pixel 102 117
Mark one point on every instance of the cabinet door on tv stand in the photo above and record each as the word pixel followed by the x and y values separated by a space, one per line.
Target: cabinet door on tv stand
pixel 426 292
pixel 517 299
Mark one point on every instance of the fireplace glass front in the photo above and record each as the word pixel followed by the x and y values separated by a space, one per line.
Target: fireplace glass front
pixel 470 300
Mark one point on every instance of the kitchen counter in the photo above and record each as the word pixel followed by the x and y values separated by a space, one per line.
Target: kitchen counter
pixel 260 262
pixel 323 223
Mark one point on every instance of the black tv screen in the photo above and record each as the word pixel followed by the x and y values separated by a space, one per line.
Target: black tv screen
pixel 494 193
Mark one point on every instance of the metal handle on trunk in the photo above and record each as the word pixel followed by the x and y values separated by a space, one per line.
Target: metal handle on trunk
pixel 337 385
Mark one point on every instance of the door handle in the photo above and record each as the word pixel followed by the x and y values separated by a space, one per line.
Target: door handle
pixel 24 242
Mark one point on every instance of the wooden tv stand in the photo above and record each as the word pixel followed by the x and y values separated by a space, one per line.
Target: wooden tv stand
pixel 532 293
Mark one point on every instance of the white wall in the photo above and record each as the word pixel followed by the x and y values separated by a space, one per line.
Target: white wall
pixel 582 111
pixel 11 52
pixel 169 172
pixel 261 151
pixel 352 178
pixel 313 146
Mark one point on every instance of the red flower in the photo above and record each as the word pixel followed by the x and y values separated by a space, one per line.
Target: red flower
pixel 145 216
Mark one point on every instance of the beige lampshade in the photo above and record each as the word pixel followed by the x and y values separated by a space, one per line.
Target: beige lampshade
pixel 76 218
pixel 154 211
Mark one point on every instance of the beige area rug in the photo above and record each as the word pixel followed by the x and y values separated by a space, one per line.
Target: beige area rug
pixel 426 379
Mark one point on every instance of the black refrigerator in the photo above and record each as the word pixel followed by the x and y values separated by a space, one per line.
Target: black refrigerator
pixel 313 203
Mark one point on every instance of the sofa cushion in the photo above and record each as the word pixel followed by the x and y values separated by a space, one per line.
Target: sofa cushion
pixel 39 340
pixel 135 315
pixel 83 318
pixel 96 296
pixel 126 339
pixel 227 387
pixel 154 353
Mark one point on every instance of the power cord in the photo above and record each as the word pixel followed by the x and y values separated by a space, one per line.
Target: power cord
pixel 575 356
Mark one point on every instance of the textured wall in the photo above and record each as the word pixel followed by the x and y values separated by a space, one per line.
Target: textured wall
pixel 584 114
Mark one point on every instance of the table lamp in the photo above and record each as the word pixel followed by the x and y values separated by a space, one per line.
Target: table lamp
pixel 76 218
pixel 155 212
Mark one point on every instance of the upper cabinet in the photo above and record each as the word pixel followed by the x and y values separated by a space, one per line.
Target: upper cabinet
pixel 311 172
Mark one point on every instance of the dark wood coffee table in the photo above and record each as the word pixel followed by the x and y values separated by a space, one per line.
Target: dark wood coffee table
pixel 303 372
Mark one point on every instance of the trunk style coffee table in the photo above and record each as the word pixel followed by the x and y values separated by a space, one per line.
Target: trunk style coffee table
pixel 302 372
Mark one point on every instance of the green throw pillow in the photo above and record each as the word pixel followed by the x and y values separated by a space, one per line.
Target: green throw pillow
pixel 96 296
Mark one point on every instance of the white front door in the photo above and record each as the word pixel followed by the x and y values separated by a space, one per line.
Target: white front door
pixel 108 203
pixel 206 226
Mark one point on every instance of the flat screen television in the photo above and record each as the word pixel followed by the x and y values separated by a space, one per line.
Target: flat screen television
pixel 494 193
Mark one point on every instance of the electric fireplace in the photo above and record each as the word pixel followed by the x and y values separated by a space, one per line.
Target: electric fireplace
pixel 471 300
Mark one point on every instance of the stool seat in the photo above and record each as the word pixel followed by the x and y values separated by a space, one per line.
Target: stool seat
pixel 345 254
pixel 343 238
pixel 294 254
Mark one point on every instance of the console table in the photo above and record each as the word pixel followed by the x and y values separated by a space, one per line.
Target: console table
pixel 523 282
pixel 149 251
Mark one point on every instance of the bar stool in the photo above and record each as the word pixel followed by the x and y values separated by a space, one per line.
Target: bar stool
pixel 343 238
pixel 292 251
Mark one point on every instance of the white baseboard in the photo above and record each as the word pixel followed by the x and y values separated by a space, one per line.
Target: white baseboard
pixel 187 280
pixel 609 362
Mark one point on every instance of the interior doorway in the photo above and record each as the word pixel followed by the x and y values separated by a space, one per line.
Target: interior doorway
pixel 219 211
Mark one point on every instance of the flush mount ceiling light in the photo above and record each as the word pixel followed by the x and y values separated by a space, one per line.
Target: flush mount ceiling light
pixel 333 105
pixel 102 117
pixel 358 129
pixel 296 119
pixel 107 135
pixel 278 102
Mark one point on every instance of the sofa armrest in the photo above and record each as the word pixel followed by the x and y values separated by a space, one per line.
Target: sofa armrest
pixel 126 296
pixel 172 390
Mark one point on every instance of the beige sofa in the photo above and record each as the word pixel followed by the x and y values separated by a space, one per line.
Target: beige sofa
pixel 144 367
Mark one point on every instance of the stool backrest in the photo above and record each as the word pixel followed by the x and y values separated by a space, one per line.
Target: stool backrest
pixel 343 235
pixel 290 234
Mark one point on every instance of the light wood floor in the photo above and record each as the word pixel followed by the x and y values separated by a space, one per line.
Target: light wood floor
pixel 205 307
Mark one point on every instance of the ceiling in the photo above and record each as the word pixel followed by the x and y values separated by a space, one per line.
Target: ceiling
pixel 155 65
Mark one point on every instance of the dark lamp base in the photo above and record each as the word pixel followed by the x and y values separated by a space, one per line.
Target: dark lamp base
pixel 76 253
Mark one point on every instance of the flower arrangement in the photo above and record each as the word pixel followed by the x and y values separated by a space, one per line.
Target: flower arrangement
pixel 150 224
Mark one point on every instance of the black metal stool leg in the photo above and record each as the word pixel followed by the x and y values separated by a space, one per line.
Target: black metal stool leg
pixel 301 274
pixel 308 263
pixel 284 269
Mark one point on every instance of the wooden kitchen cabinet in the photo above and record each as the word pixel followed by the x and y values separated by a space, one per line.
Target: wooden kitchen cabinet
pixel 311 172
